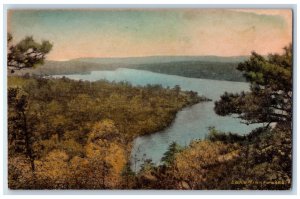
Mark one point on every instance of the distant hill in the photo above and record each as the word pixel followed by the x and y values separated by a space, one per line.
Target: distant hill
pixel 198 69
pixel 66 67
pixel 206 67
pixel 161 59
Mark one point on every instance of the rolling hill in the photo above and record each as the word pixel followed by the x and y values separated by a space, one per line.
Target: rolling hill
pixel 206 67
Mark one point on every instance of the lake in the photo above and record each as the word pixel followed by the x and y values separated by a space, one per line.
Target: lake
pixel 190 123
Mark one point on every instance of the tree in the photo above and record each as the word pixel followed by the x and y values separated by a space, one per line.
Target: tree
pixel 169 155
pixel 106 154
pixel 19 135
pixel 270 96
pixel 105 130
pixel 26 54
pixel 128 176
pixel 177 89
pixel 266 156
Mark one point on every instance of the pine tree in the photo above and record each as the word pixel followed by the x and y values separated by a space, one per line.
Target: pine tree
pixel 270 96
pixel 169 155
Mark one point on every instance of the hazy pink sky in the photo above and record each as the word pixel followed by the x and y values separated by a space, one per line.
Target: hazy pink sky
pixel 148 32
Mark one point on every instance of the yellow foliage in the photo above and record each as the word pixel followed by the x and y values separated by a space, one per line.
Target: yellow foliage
pixel 82 131
pixel 104 129
pixel 201 157
pixel 53 168
pixel 69 145
pixel 113 154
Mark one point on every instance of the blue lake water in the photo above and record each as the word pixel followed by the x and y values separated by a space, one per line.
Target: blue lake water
pixel 190 123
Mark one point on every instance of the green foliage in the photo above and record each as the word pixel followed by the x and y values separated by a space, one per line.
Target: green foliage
pixel 27 53
pixel 265 157
pixel 169 155
pixel 147 166
pixel 270 98
pixel 266 160
pixel 128 177
pixel 261 160
pixel 215 135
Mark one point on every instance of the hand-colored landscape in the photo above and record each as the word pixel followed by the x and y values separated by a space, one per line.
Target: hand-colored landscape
pixel 161 99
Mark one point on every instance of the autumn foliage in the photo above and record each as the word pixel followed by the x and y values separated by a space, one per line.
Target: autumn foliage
pixel 66 134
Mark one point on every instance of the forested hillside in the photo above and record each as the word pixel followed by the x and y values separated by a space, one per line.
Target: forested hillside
pixel 74 134
pixel 217 68
pixel 198 69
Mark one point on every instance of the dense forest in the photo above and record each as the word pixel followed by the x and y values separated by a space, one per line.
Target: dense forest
pixel 54 120
pixel 67 134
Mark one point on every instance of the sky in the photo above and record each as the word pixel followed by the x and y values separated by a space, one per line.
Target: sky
pixel 154 32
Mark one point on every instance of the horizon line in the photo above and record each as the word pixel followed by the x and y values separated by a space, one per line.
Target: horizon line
pixel 148 56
